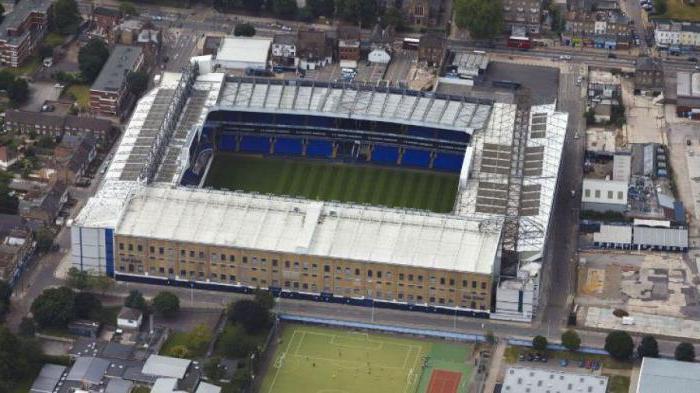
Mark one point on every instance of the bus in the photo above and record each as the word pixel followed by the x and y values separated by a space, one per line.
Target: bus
pixel 411 43
pixel 523 43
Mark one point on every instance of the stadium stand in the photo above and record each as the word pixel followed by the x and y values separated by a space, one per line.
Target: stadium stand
pixel 384 154
pixel 255 144
pixel 319 148
pixel 448 162
pixel 227 143
pixel 416 158
pixel 289 146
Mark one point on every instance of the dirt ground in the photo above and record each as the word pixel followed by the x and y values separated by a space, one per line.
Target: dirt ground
pixel 188 318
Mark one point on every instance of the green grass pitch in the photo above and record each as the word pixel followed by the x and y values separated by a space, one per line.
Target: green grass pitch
pixel 323 180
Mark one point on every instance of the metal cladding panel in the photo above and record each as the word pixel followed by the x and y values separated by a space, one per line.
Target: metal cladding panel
pixel 90 236
pixel 109 252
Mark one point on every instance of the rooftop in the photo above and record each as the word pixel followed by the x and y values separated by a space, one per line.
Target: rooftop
pixel 312 228
pixel 88 370
pixel 244 49
pixel 19 14
pixel 48 378
pixel 688 84
pixel 357 101
pixel 166 366
pixel 113 75
pixel 663 375
pixel 525 379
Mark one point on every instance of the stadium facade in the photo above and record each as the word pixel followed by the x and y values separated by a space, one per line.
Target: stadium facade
pixel 152 221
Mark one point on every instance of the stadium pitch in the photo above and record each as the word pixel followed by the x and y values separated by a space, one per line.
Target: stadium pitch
pixel 332 181
pixel 312 359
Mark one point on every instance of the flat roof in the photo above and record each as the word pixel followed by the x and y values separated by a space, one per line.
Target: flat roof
pixel 88 370
pixel 664 375
pixel 687 84
pixel 243 49
pixel 166 366
pixel 48 378
pixel 123 59
pixel 277 224
pixel 357 101
pixel 618 234
pixel 526 379
pixel 20 12
pixel 664 237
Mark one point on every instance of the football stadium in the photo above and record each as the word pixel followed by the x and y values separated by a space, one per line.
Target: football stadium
pixel 335 192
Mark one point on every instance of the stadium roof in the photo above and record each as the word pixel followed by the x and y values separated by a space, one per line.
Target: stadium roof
pixel 343 231
pixel 356 101
pixel 664 375
pixel 166 366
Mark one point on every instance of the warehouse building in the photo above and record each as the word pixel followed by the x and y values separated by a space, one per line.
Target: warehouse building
pixel 240 53
pixel 602 195
pixel 641 237
pixel 665 375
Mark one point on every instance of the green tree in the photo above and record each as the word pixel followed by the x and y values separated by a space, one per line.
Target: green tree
pixel 483 18
pixel 18 91
pixel 570 340
pixel 648 348
pixel 2 13
pixel 321 8
pixel 236 343
pixel 264 298
pixel 5 295
pixel 66 16
pixel 213 369
pixel 77 279
pixel 128 9
pixel 137 82
pixel 619 345
pixel 660 6
pixel 394 17
pixel 284 8
pixel 362 12
pixel 166 304
pixel 91 58
pixel 589 115
pixel 27 327
pixel 101 284
pixel 44 239
pixel 539 343
pixel 250 314
pixel 179 351
pixel 198 339
pixel 55 307
pixel 87 305
pixel 685 352
pixel 244 30
pixel 136 300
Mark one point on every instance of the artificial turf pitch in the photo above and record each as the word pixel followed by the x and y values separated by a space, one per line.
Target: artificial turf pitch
pixel 313 359
pixel 331 181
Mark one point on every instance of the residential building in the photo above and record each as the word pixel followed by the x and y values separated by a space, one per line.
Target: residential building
pixel 243 53
pixel 676 36
pixel 129 318
pixel 73 156
pixel 349 44
pixel 649 75
pixel 48 379
pixel 105 21
pixel 108 94
pixel 43 208
pixel 8 156
pixel 528 379
pixel 43 123
pixel 527 13
pixel 604 195
pixel 15 249
pixel 22 29
pixel 314 49
pixel 431 48
pixel 666 375
pixel 599 29
pixel 284 49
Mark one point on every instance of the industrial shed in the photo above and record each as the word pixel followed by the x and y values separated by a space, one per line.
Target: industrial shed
pixel 241 53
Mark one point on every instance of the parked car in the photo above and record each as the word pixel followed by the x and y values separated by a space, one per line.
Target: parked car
pixel 563 362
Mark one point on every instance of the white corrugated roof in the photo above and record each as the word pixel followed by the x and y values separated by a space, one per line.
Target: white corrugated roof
pixel 619 234
pixel 664 375
pixel 312 228
pixel 166 366
pixel 244 49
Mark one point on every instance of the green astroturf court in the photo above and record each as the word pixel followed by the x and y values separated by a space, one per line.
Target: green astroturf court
pixel 331 181
pixel 313 359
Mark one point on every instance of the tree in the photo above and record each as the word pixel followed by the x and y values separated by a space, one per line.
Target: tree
pixel 101 283
pixel 166 304
pixel 483 18
pixel 619 345
pixel 253 316
pixel 77 279
pixel 284 8
pixel 244 30
pixel 321 8
pixel 570 340
pixel 18 91
pixel 660 6
pixel 135 300
pixel 362 12
pixel 87 305
pixel 91 58
pixel 66 17
pixel 2 13
pixel 179 351
pixel 5 295
pixel 44 240
pixel 539 343
pixel 394 17
pixel 27 327
pixel 235 343
pixel 198 339
pixel 137 82
pixel 685 352
pixel 128 9
pixel 213 369
pixel 264 298
pixel 490 337
pixel 55 307
pixel 648 348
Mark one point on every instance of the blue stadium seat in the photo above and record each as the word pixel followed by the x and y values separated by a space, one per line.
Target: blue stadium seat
pixel 448 162
pixel 288 147
pixel 255 144
pixel 190 179
pixel 385 154
pixel 319 148
pixel 414 157
pixel 227 143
